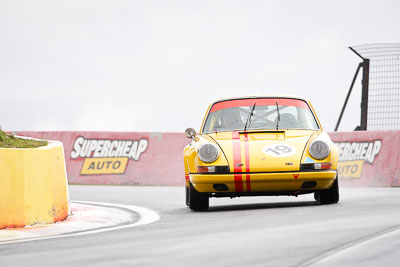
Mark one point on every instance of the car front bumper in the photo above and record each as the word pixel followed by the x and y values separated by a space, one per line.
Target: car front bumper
pixel 263 182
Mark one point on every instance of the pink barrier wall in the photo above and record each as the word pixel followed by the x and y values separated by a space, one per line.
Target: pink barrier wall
pixel 121 157
pixel 366 158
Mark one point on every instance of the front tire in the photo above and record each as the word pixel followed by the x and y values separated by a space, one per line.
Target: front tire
pixel 197 201
pixel 328 196
pixel 187 195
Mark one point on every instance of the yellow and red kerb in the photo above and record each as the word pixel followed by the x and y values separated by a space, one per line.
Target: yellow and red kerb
pixel 238 165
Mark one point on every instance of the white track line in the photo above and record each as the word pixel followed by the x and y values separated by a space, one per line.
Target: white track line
pixel 147 216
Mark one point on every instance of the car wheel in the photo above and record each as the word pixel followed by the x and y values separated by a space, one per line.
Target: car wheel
pixel 197 201
pixel 328 196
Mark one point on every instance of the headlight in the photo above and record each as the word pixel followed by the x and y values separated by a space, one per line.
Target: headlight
pixel 319 149
pixel 208 153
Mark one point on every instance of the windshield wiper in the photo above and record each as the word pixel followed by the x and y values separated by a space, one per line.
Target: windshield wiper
pixel 279 116
pixel 248 121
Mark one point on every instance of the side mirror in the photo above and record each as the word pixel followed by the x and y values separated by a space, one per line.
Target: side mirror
pixel 190 133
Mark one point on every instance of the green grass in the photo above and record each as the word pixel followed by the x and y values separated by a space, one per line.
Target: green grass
pixel 10 141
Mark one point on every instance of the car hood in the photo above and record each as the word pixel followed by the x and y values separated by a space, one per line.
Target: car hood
pixel 263 151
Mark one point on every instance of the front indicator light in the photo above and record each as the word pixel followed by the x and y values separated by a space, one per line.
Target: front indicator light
pixel 316 166
pixel 212 169
pixel 322 166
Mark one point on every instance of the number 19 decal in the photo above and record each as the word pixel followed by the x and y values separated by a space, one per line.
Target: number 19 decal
pixel 279 150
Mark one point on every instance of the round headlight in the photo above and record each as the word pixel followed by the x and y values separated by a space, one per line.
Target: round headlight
pixel 208 153
pixel 319 149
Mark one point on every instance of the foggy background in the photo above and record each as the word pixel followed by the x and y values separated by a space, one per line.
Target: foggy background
pixel 157 65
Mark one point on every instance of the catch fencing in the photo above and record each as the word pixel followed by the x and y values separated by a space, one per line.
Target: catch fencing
pixel 383 85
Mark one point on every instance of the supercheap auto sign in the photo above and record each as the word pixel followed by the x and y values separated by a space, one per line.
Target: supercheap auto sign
pixel 368 158
pixel 140 158
pixel 353 155
pixel 107 156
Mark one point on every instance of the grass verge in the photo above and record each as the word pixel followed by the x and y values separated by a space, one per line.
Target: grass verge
pixel 10 141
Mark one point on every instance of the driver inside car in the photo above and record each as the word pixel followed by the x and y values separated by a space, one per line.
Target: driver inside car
pixel 230 119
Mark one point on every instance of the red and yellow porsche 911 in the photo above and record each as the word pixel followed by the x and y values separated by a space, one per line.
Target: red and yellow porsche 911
pixel 253 146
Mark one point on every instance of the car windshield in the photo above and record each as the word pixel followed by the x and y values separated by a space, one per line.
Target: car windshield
pixel 268 113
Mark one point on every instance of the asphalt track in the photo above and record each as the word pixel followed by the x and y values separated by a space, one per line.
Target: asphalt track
pixel 362 230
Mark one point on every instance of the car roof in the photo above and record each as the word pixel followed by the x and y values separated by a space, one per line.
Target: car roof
pixel 260 96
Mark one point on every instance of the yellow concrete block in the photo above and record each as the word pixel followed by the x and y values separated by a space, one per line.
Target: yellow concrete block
pixel 33 185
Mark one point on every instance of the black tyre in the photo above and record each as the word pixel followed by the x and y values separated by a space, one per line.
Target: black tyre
pixel 187 195
pixel 328 196
pixel 197 201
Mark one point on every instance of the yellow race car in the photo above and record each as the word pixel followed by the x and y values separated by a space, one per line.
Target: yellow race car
pixel 255 146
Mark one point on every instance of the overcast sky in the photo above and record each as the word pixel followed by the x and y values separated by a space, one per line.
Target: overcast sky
pixel 156 65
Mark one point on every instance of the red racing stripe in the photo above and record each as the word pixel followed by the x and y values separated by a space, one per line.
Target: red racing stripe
pixel 247 156
pixel 237 158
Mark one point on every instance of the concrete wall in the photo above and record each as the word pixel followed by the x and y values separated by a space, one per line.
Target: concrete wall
pixel 367 158
pixel 33 186
pixel 121 157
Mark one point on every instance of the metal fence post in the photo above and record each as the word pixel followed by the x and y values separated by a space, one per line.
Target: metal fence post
pixel 364 95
